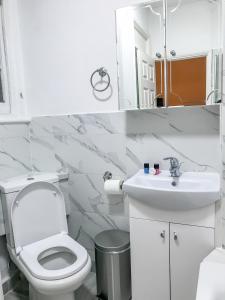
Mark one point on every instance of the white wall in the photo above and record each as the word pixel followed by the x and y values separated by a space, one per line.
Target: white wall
pixel 63 43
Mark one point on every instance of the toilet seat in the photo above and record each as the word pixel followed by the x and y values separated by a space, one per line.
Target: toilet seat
pixel 29 256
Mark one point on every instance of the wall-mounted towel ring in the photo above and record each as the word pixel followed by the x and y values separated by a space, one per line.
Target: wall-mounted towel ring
pixel 102 72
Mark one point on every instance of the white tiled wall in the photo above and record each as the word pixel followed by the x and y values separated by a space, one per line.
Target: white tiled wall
pixel 14 160
pixel 90 144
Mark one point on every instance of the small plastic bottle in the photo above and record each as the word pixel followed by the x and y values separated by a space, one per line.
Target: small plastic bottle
pixel 156 167
pixel 146 168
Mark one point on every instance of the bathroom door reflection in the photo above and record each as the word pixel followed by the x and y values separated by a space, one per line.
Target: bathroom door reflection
pixel 186 81
pixel 139 42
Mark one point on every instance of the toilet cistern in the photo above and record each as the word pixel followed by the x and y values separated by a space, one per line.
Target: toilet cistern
pixel 174 166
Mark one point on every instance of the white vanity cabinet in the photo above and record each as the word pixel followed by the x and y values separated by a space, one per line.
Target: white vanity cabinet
pixel 189 245
pixel 165 258
pixel 149 260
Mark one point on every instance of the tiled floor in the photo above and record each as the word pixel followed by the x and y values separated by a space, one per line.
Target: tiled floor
pixel 86 292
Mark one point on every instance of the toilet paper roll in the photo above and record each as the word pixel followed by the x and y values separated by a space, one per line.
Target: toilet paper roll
pixel 113 187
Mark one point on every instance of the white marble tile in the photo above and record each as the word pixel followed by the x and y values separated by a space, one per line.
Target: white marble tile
pixel 95 154
pixel 196 152
pixel 92 154
pixel 90 144
pixel 161 120
pixel 189 120
pixel 80 124
pixel 95 223
pixel 98 123
pixel 47 126
pixel 77 232
pixel 44 158
pixel 87 150
pixel 14 130
pixel 14 157
pixel 84 226
pixel 86 192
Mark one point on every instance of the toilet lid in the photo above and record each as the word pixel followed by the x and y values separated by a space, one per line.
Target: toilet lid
pixel 37 212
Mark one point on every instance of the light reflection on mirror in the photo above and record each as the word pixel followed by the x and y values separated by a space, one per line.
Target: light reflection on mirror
pixel 169 53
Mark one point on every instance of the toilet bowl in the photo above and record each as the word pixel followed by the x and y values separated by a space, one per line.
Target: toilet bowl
pixel 54 264
pixel 211 281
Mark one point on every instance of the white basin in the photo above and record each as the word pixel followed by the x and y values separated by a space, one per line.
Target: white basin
pixel 193 190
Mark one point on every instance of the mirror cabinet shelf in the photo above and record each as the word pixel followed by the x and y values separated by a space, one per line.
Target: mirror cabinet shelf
pixel 169 53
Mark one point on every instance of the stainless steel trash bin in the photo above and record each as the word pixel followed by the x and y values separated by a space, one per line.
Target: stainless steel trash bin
pixel 112 256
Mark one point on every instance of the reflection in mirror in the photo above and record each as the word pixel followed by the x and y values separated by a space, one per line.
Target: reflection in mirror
pixel 169 53
pixel 193 40
pixel 137 27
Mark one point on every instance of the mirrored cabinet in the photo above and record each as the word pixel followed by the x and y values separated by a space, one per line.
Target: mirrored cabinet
pixel 169 53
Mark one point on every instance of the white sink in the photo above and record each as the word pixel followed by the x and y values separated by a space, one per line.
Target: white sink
pixel 193 190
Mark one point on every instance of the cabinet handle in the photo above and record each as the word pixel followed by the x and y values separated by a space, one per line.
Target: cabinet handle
pixel 175 236
pixel 163 234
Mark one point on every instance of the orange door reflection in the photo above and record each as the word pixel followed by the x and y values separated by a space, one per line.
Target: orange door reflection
pixel 188 85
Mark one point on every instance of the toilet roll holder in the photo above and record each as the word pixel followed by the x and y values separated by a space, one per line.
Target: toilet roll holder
pixel 108 176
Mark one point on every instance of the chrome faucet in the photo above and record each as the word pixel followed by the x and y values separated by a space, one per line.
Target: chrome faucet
pixel 174 166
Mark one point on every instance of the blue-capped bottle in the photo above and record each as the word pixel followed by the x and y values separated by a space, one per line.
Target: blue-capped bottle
pixel 146 168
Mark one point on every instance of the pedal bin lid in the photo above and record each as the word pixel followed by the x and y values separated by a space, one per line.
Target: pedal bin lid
pixel 112 241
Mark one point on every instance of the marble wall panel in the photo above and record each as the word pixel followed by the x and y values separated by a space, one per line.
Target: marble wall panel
pixel 15 160
pixel 87 145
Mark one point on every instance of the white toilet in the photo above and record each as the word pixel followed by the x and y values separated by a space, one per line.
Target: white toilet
pixel 37 236
pixel 211 281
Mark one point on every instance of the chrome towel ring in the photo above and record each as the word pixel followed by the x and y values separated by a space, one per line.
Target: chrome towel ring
pixel 102 72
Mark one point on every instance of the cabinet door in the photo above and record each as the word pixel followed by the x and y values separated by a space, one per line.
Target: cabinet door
pixel 149 260
pixel 189 245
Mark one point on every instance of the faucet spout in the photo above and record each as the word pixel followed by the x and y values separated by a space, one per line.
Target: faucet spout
pixel 174 166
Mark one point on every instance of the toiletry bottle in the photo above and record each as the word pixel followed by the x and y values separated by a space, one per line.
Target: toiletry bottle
pixel 156 168
pixel 146 168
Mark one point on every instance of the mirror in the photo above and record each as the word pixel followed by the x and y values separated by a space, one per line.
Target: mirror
pixel 169 53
